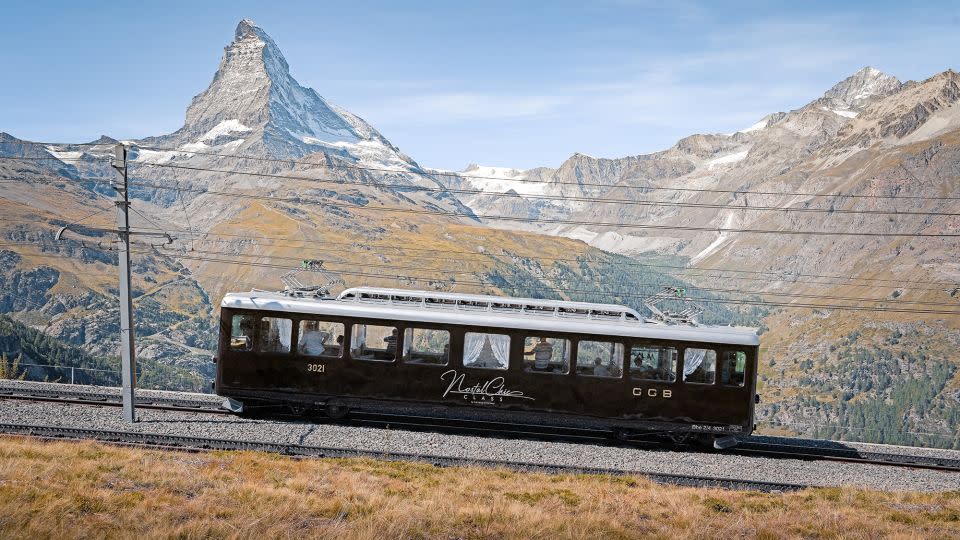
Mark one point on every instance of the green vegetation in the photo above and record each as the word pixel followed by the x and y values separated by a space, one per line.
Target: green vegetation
pixel 11 369
pixel 890 388
pixel 44 358
pixel 611 279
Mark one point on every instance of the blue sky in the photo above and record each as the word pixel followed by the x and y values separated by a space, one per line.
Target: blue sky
pixel 520 84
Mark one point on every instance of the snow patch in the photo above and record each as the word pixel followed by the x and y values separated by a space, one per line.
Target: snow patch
pixel 195 147
pixel 613 241
pixel 371 153
pixel 224 128
pixel 845 114
pixel 727 159
pixel 715 245
pixel 762 124
pixel 502 179
pixel 155 156
pixel 63 156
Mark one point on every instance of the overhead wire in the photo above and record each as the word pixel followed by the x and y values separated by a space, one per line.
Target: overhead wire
pixel 419 211
pixel 312 245
pixel 428 173
pixel 447 271
pixel 566 198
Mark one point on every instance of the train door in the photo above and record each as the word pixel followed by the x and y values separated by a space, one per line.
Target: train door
pixel 599 371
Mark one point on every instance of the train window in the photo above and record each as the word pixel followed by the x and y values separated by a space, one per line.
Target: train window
pixel 486 351
pixel 241 332
pixel 600 359
pixel 426 346
pixel 374 343
pixel 733 367
pixel 699 366
pixel 653 363
pixel 543 354
pixel 275 334
pixel 320 338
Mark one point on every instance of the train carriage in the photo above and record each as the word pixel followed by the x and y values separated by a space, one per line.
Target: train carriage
pixel 495 359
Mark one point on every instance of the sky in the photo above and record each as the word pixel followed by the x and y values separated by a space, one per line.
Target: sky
pixel 519 83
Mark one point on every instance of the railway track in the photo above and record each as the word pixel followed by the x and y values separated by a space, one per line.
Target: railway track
pixel 748 447
pixel 846 454
pixel 197 444
pixel 104 400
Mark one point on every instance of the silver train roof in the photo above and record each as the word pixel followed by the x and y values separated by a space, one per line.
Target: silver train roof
pixel 489 311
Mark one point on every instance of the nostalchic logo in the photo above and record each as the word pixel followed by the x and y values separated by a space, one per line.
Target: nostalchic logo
pixel 490 391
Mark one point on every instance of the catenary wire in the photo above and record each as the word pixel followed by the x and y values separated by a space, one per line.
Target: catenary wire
pixel 362 208
pixel 303 244
pixel 427 173
pixel 574 198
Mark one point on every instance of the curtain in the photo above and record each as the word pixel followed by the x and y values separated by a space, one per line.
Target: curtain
pixel 359 337
pixel 692 359
pixel 501 348
pixel 285 327
pixel 472 345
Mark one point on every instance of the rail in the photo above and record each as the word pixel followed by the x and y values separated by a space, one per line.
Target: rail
pixel 749 446
pixel 178 442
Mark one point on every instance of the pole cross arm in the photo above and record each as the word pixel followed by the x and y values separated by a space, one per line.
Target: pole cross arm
pixel 170 239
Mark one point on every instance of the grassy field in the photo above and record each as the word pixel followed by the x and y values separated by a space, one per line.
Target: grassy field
pixel 85 489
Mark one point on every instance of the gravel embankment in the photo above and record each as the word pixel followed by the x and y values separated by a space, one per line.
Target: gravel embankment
pixel 819 473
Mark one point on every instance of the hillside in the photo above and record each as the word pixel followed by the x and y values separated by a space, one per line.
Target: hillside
pixel 34 355
pixel 893 150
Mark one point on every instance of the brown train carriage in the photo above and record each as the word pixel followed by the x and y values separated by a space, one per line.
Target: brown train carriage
pixel 475 357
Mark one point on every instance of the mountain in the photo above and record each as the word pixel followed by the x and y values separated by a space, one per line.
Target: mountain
pixel 773 145
pixel 254 106
pixel 891 374
pixel 263 174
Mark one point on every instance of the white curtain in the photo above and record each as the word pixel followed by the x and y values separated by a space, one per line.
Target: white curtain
pixel 472 345
pixel 285 327
pixel 358 337
pixel 692 359
pixel 501 347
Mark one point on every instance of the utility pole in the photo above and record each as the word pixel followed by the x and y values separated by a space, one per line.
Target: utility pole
pixel 128 352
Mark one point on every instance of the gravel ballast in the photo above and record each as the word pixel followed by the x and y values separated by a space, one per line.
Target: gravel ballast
pixel 370 439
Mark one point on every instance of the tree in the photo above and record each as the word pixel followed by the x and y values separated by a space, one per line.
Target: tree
pixel 11 370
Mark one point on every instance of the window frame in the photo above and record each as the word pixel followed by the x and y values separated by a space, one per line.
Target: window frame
pixel 260 341
pixel 602 339
pixel 404 351
pixel 677 367
pixel 346 337
pixel 254 337
pixel 390 324
pixel 508 333
pixel 682 364
pixel 523 348
pixel 746 366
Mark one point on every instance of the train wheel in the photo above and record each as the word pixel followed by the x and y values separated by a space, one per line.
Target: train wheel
pixel 299 409
pixel 337 409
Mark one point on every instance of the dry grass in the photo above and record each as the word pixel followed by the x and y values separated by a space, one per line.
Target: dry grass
pixel 70 489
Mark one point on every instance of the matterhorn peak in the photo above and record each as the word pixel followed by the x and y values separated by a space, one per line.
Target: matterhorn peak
pixel 867 83
pixel 255 104
pixel 246 28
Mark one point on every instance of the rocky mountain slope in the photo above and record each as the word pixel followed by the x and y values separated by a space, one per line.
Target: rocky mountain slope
pixel 868 137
